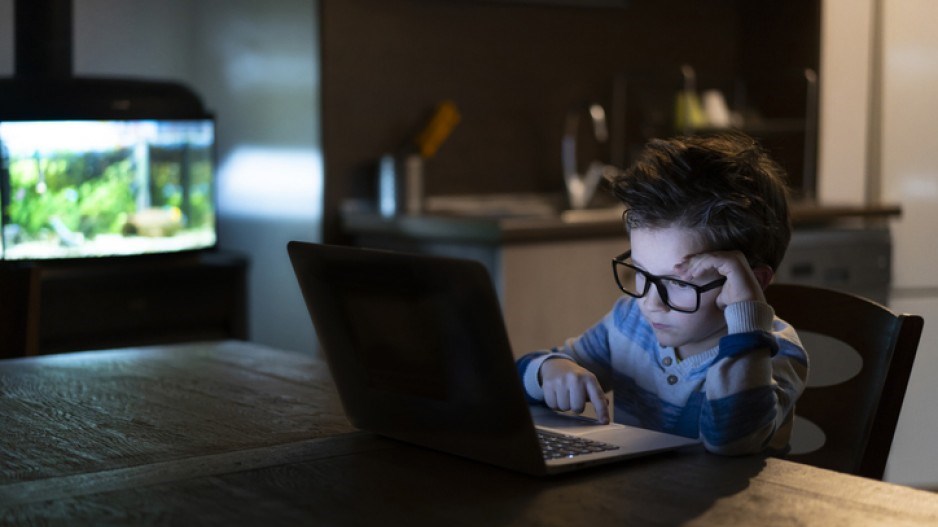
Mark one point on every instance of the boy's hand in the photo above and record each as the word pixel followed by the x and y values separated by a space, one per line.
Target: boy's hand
pixel 568 386
pixel 741 282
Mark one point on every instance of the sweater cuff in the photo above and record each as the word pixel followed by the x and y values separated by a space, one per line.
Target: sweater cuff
pixel 752 315
pixel 736 344
pixel 532 383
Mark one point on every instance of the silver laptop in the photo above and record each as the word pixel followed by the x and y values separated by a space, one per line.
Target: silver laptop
pixel 418 350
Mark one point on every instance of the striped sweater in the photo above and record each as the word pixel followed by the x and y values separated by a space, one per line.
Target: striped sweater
pixel 737 397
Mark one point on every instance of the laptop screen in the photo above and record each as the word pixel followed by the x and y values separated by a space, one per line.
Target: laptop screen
pixel 396 331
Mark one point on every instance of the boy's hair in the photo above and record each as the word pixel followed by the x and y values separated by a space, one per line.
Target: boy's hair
pixel 723 186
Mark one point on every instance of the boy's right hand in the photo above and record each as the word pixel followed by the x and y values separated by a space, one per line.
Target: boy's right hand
pixel 568 386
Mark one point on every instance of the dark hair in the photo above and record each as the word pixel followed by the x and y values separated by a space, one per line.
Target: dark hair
pixel 723 186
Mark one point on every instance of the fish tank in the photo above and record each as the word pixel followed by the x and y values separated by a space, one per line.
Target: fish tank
pixel 88 188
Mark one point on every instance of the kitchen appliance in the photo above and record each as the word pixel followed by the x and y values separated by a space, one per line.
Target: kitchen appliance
pixel 855 260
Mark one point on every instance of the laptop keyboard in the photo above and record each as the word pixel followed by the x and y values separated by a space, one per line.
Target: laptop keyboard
pixel 555 446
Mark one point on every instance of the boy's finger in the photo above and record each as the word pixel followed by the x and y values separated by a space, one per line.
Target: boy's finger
pixel 562 399
pixel 598 398
pixel 577 401
pixel 550 399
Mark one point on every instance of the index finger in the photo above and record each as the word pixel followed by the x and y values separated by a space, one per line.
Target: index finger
pixel 598 398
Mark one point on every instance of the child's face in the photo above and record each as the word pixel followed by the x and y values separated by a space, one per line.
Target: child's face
pixel 657 251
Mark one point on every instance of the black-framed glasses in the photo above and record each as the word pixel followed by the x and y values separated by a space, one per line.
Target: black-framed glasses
pixel 677 294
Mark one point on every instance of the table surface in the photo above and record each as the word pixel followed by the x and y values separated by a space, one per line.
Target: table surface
pixel 237 433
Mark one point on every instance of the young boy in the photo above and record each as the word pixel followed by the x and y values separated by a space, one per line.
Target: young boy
pixel 692 348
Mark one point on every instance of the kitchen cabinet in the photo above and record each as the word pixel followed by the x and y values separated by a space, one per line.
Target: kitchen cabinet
pixel 553 273
pixel 552 291
pixel 776 106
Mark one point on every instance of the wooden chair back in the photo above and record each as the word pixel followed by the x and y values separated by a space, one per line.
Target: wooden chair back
pixel 858 416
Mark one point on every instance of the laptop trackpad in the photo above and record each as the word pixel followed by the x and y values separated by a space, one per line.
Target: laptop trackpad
pixel 588 427
pixel 566 423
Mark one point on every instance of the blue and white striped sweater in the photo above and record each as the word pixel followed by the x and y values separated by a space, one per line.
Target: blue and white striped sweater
pixel 737 397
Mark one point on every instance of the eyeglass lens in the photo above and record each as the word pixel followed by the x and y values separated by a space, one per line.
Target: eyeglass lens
pixel 677 294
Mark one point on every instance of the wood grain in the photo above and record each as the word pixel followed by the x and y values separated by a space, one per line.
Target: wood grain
pixel 231 433
pixel 376 481
pixel 76 413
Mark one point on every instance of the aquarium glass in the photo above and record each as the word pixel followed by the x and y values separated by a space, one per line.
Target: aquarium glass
pixel 74 189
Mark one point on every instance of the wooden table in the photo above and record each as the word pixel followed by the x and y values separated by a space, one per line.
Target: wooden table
pixel 232 433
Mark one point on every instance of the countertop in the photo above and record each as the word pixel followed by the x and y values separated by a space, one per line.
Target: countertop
pixel 590 223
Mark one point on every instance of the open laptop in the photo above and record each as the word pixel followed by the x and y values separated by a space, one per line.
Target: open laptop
pixel 419 352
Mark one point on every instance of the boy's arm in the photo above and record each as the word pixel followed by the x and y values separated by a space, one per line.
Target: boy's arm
pixel 529 367
pixel 581 362
pixel 752 385
pixel 557 381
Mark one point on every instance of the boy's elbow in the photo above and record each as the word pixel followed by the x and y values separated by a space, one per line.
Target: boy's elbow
pixel 740 424
pixel 756 442
pixel 741 448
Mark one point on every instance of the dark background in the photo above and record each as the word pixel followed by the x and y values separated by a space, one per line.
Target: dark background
pixel 515 68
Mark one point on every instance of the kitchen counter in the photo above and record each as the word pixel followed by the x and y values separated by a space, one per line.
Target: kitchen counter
pixel 536 256
pixel 569 225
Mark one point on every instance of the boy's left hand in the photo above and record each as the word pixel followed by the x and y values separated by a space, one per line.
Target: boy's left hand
pixel 741 281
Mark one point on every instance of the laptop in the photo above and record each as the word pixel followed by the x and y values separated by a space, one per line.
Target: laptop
pixel 418 351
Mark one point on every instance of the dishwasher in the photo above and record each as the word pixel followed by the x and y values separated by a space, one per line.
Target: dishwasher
pixel 855 260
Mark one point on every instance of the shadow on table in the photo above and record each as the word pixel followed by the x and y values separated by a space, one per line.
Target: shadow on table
pixel 371 481
pixel 420 487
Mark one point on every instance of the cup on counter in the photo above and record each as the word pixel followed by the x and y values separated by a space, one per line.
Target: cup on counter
pixel 400 185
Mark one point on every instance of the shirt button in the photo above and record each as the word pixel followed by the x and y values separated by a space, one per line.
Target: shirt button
pixel 672 379
pixel 667 361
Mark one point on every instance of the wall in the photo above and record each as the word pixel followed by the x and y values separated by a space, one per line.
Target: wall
pixel 844 107
pixel 255 66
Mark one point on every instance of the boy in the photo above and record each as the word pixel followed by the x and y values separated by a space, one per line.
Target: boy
pixel 692 348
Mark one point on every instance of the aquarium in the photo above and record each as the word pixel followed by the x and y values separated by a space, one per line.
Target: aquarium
pixel 92 188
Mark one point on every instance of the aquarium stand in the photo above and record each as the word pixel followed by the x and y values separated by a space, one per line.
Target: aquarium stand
pixel 58 307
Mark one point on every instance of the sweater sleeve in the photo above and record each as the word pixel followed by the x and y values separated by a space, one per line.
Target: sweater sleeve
pixel 528 368
pixel 751 388
pixel 590 350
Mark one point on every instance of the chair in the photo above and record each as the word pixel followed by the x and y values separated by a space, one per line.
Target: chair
pixel 858 416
